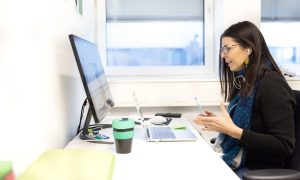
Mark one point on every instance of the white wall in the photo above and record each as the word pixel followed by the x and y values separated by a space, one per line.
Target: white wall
pixel 41 93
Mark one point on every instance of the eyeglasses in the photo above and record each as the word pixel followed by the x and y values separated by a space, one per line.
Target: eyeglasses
pixel 225 49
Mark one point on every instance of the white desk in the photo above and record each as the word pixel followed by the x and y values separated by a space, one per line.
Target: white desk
pixel 164 160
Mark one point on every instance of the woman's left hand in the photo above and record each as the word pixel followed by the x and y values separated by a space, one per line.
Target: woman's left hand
pixel 221 123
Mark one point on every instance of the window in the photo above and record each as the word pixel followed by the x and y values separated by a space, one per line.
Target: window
pixel 156 37
pixel 280 24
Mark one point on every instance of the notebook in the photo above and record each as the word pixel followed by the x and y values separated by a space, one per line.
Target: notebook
pixel 165 133
pixel 62 164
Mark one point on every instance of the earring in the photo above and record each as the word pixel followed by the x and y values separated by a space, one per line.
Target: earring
pixel 246 61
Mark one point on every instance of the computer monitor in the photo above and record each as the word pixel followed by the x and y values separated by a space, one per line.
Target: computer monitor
pixel 94 82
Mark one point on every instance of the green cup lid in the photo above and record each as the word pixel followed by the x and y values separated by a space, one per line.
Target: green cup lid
pixel 123 123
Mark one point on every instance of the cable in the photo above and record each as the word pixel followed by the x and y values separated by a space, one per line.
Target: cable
pixel 237 82
pixel 98 127
pixel 95 127
pixel 81 115
pixel 229 111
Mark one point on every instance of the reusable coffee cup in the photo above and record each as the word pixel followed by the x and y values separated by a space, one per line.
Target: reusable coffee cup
pixel 123 131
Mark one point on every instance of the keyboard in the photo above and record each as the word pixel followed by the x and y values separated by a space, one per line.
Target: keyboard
pixel 161 132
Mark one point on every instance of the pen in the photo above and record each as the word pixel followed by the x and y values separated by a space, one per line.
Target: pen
pixel 200 108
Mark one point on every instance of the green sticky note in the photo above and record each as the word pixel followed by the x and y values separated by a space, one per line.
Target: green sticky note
pixel 180 128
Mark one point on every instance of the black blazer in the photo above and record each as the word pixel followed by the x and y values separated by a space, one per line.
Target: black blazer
pixel 271 137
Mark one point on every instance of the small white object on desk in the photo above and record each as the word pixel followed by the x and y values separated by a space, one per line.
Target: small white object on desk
pixel 157 120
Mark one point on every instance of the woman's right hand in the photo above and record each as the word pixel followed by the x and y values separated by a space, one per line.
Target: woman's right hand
pixel 208 114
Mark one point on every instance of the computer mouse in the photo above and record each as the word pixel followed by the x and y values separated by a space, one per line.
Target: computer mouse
pixel 158 120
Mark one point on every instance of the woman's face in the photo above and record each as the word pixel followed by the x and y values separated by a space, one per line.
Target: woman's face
pixel 233 54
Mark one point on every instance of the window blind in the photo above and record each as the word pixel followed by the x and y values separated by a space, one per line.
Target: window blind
pixel 280 10
pixel 119 10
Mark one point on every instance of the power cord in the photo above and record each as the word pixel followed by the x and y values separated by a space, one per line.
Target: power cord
pixel 95 127
pixel 81 115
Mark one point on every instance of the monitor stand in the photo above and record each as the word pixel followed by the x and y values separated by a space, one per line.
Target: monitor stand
pixel 85 134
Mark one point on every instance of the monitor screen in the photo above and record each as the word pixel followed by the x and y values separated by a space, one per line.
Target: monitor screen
pixel 93 78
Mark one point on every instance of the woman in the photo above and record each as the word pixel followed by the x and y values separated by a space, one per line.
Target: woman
pixel 257 130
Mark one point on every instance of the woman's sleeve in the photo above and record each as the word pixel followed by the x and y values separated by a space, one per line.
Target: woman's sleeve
pixel 276 109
